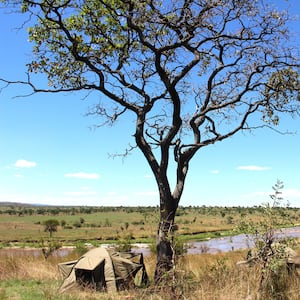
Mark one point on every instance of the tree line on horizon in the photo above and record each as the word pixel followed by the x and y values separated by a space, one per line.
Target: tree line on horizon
pixel 28 210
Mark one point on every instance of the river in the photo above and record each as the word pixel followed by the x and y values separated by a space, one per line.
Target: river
pixel 237 242
pixel 214 245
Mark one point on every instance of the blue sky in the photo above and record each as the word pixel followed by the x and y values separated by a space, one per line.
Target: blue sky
pixel 50 152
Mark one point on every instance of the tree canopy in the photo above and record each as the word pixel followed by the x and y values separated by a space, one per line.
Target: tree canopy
pixel 50 226
pixel 192 72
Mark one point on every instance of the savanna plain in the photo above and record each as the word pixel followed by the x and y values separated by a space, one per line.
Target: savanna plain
pixel 200 276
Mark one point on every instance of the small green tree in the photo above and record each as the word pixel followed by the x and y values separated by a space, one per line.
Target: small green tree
pixel 126 225
pixel 63 223
pixel 50 226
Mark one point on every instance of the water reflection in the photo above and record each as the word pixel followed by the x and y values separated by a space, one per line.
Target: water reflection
pixel 230 243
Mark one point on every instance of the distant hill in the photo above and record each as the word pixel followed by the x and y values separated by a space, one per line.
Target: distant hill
pixel 18 204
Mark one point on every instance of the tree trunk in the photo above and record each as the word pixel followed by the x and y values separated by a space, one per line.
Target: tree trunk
pixel 164 246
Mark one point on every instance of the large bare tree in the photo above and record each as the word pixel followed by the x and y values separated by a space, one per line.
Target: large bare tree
pixel 191 72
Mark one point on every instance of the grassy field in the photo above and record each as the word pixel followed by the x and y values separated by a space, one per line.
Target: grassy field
pixel 199 277
pixel 204 277
pixel 20 225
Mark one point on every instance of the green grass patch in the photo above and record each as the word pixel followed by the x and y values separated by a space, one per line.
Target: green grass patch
pixel 28 289
pixel 23 226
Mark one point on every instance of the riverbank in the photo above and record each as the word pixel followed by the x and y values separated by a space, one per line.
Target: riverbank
pixel 20 226
pixel 209 245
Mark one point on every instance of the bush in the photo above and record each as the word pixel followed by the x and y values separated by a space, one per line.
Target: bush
pixel 77 224
pixel 270 251
pixel 49 248
pixel 68 227
pixel 178 245
pixel 141 222
pixel 107 223
pixel 124 244
pixel 80 249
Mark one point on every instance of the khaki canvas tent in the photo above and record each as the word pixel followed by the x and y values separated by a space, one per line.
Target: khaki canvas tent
pixel 103 270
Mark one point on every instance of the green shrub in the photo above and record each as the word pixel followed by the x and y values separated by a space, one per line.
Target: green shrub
pixel 77 224
pixel 270 251
pixel 124 244
pixel 81 248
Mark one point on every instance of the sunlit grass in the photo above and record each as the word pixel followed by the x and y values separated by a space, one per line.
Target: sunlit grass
pixel 193 224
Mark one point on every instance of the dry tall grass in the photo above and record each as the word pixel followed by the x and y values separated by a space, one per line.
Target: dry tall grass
pixel 199 277
pixel 26 267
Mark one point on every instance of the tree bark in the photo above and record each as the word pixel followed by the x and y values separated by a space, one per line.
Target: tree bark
pixel 165 261
pixel 165 251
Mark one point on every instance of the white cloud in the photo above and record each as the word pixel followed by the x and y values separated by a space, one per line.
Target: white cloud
pixel 83 175
pixel 253 168
pixel 214 171
pixel 148 176
pixel 291 193
pixel 22 163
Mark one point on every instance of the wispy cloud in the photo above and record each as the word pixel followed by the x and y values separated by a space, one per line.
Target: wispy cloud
pixel 253 168
pixel 214 171
pixel 261 197
pixel 83 175
pixel 22 163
